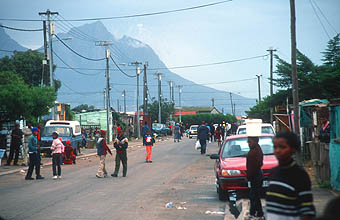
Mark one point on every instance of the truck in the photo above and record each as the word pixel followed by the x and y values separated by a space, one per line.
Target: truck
pixel 68 130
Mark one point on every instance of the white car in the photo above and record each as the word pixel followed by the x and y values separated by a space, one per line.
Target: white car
pixel 266 129
pixel 193 131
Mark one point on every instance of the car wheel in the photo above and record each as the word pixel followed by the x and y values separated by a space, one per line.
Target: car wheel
pixel 222 194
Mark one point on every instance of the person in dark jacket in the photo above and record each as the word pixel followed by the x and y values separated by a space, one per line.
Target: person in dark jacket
pixel 145 129
pixel 16 142
pixel 34 160
pixel 121 145
pixel 203 136
pixel 255 176
pixel 102 150
pixel 324 134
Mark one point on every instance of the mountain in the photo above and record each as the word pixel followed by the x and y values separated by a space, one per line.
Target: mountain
pixel 85 83
pixel 8 44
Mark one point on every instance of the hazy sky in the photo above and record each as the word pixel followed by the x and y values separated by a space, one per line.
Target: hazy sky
pixel 233 30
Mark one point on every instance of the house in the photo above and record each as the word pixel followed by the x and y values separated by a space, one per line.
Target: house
pixel 193 110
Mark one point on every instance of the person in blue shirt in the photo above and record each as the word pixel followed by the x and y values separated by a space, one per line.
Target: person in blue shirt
pixel 34 160
pixel 145 129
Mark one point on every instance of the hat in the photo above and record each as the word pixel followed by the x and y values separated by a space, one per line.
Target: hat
pixel 34 129
pixel 55 132
pixel 103 132
pixel 68 142
pixel 118 129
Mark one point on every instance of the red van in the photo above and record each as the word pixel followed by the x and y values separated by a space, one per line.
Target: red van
pixel 230 167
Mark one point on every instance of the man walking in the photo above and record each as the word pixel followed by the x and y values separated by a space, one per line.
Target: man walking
pixel 145 129
pixel 102 150
pixel 16 141
pixel 121 144
pixel 27 134
pixel 203 136
pixel 33 156
pixel 255 176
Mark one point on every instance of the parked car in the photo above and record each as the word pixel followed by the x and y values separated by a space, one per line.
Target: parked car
pixel 160 129
pixel 193 131
pixel 68 130
pixel 230 167
pixel 266 129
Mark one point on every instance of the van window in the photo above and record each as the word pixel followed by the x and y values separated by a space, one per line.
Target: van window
pixel 63 131
pixel 77 130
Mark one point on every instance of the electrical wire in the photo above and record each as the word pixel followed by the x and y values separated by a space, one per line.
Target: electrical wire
pixel 315 12
pixel 91 59
pixel 86 74
pixel 121 69
pixel 205 84
pixel 127 16
pixel 19 29
pixel 325 17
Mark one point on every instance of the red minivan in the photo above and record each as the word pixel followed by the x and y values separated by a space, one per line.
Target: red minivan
pixel 230 167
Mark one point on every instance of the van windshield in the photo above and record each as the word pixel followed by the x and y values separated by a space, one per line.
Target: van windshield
pixel 63 131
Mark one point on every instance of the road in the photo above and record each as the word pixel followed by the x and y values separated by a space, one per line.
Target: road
pixel 178 174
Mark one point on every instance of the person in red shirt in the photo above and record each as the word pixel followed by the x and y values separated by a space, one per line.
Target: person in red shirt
pixel 102 150
pixel 68 155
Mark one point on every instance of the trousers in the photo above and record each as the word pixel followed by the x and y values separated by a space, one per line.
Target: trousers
pixel 101 168
pixel 203 144
pixel 14 149
pixel 148 153
pixel 255 196
pixel 56 163
pixel 121 157
pixel 34 161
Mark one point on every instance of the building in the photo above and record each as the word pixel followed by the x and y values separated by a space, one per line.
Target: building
pixel 193 110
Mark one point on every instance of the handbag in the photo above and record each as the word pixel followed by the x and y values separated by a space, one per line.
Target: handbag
pixel 197 145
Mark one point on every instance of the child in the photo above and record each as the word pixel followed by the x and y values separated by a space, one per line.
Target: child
pixel 68 155
pixel 34 160
pixel 148 140
pixel 289 194
pixel 121 144
pixel 57 148
pixel 218 137
pixel 102 150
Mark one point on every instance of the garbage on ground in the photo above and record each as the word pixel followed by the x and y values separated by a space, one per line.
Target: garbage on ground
pixel 169 205
pixel 214 213
pixel 22 172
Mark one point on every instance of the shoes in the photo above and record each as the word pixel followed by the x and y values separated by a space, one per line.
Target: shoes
pixel 40 178
pixel 98 176
pixel 114 175
pixel 59 177
pixel 23 164
pixel 124 175
pixel 150 161
pixel 15 164
pixel 105 175
pixel 29 178
pixel 7 164
pixel 146 161
pixel 55 177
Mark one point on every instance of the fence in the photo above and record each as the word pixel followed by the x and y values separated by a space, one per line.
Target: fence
pixel 320 158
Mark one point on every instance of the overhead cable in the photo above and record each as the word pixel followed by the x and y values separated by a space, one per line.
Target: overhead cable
pixel 131 76
pixel 128 16
pixel 315 12
pixel 325 17
pixel 19 29
pixel 100 59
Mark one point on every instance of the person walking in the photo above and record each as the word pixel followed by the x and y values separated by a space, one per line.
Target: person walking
pixel 33 156
pixel 68 155
pixel 145 129
pixel 121 145
pixel 39 142
pixel 56 148
pixel 27 135
pixel 102 150
pixel 177 133
pixel 218 136
pixel 289 194
pixel 16 141
pixel 203 136
pixel 255 176
pixel 149 141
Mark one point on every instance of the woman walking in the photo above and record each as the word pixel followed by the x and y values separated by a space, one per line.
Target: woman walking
pixel 57 150
pixel 177 133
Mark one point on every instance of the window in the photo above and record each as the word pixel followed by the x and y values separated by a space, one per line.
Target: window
pixel 77 130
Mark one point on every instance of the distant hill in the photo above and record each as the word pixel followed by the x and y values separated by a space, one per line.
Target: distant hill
pixel 81 88
pixel 7 43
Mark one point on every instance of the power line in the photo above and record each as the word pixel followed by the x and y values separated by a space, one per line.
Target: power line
pixel 87 74
pixel 315 12
pixel 19 29
pixel 205 84
pixel 325 17
pixel 131 76
pixel 91 59
pixel 127 16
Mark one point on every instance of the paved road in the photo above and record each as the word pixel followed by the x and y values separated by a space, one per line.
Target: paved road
pixel 179 174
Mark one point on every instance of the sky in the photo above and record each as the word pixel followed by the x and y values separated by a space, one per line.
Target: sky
pixel 232 30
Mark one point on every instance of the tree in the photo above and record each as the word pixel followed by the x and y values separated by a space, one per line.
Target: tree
pixel 84 107
pixel 19 100
pixel 167 108
pixel 209 118
pixel 331 56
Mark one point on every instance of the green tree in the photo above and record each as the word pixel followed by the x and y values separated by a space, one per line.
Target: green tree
pixel 84 107
pixel 167 108
pixel 209 118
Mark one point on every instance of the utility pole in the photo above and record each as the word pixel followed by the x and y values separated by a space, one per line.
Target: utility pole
pixel 271 50
pixel 259 85
pixel 234 109
pixel 44 78
pixel 118 110
pixel 145 91
pixel 212 102
pixel 222 110
pixel 107 90
pixel 48 13
pixel 180 104
pixel 124 95
pixel 171 91
pixel 159 75
pixel 137 74
pixel 295 89
pixel 231 103
pixel 104 98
